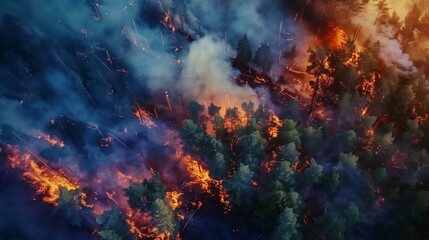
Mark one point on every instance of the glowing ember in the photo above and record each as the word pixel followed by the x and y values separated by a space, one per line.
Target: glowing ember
pixel 52 140
pixel 166 21
pixel 197 172
pixel 144 117
pixel 230 122
pixel 274 123
pixel 173 199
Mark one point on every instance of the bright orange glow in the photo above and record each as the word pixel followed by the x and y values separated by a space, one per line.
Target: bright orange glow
pixel 368 87
pixel 364 110
pixel 274 122
pixel 197 172
pixel 231 124
pixel 173 199
pixel 336 37
pixel 47 180
pixel 420 118
pixel 52 140
pixel 166 21
pixel 144 117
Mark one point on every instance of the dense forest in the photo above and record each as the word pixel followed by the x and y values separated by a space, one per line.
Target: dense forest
pixel 190 119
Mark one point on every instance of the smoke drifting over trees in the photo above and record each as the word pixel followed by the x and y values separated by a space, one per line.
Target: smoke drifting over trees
pixel 174 119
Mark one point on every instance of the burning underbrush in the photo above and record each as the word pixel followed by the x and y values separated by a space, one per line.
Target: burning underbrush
pixel 163 130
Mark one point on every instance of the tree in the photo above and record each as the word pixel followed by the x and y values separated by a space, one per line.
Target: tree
pixel 269 205
pixel 317 60
pixel 401 102
pixel 289 133
pixel 313 174
pixel 114 226
pixel 424 24
pixel 193 135
pixel 143 195
pixel 332 223
pixel 343 142
pixel 244 52
pixel 240 185
pixel 367 65
pixel 164 218
pixel 195 109
pixel 286 226
pixel 149 196
pixel 248 108
pixel 70 204
pixel 288 152
pixel 311 140
pixel 213 109
pixel 264 58
pixel 353 216
pixel 411 22
pixel 283 173
pixel 395 21
pixel 252 145
pixel 383 12
pixel 331 181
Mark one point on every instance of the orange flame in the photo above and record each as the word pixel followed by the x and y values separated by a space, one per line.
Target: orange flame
pixel 47 180
pixel 231 124
pixel 166 21
pixel 274 123
pixel 144 117
pixel 173 199
pixel 335 37
pixel 52 140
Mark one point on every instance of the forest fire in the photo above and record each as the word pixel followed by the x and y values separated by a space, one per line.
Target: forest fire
pixel 205 119
pixel 196 171
pixel 274 123
pixel 173 199
pixel 144 117
pixel 334 36
pixel 231 122
pixel 47 181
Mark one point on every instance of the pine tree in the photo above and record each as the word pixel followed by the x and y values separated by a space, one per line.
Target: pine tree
pixel 244 52
pixel 264 58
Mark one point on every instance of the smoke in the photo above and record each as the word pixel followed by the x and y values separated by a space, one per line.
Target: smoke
pixel 208 75
pixel 391 51
pixel 74 70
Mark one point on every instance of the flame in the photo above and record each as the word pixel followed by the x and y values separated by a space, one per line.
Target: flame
pixel 173 199
pixel 166 21
pixel 47 180
pixel 368 86
pixel 420 118
pixel 52 140
pixel 274 123
pixel 335 37
pixel 200 176
pixel 231 124
pixel 364 111
pixel 144 117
